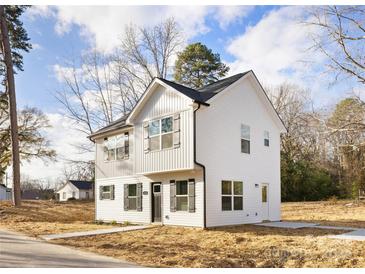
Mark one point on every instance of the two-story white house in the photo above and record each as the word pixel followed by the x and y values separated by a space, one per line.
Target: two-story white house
pixel 204 158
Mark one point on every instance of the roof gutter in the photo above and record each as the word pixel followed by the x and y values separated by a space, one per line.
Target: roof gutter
pixel 204 173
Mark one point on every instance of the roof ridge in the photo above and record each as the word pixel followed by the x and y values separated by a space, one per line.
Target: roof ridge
pixel 176 83
pixel 220 80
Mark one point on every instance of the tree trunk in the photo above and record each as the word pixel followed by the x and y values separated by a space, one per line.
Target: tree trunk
pixel 10 86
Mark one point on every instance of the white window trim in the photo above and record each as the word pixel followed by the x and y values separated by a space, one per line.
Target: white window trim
pixel 183 195
pixel 160 134
pixel 232 195
pixel 107 192
pixel 246 139
pixel 132 197
pixel 115 147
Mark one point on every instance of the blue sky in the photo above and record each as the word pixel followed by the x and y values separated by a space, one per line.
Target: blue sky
pixel 267 39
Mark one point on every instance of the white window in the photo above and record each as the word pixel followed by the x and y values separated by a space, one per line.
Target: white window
pixel 182 196
pixel 116 147
pixel 245 139
pixel 106 192
pixel 63 195
pixel 161 133
pixel 266 138
pixel 232 195
pixel 73 194
pixel 132 197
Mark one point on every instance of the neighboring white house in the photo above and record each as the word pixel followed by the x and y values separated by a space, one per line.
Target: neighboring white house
pixel 5 193
pixel 79 190
pixel 204 158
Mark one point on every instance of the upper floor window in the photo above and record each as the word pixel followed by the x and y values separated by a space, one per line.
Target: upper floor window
pixel 266 138
pixel 245 139
pixel 160 133
pixel 116 147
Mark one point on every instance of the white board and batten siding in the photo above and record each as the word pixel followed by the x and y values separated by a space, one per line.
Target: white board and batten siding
pixel 113 210
pixel 116 168
pixel 219 149
pixel 162 103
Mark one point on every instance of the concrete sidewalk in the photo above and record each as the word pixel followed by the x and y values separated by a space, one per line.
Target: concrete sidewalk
pixel 17 250
pixel 93 232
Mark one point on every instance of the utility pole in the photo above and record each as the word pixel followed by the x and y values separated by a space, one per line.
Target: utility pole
pixel 10 89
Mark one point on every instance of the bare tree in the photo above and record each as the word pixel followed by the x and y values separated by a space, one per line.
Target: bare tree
pixel 101 87
pixel 149 50
pixel 339 33
pixel 79 170
pixel 303 123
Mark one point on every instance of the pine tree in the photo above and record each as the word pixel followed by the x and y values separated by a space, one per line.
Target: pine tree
pixel 197 66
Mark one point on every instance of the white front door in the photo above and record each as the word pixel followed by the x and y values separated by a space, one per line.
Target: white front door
pixel 265 201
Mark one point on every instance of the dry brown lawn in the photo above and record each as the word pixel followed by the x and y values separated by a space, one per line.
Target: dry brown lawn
pixel 333 212
pixel 236 246
pixel 242 246
pixel 48 217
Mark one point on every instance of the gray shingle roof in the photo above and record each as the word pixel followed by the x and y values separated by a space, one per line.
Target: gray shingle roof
pixel 191 93
pixel 201 96
pixel 212 89
pixel 82 184
pixel 117 124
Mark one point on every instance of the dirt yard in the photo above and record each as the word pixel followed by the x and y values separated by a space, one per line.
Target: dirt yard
pixel 242 246
pixel 48 217
pixel 238 246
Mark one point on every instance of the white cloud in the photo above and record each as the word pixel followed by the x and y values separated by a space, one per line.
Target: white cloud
pixel 226 15
pixel 36 46
pixel 275 47
pixel 103 26
pixel 39 11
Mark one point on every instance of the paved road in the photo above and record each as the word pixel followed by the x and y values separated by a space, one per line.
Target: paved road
pixel 20 251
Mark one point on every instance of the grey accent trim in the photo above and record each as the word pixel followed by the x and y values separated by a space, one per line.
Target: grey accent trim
pixel 146 137
pixel 176 135
pixel 139 196
pixel 125 197
pixel 191 192
pixel 173 196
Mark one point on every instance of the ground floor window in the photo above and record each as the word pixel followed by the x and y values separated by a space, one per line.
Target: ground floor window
pixel 132 196
pixel 232 195
pixel 182 196
pixel 106 192
pixel 64 195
